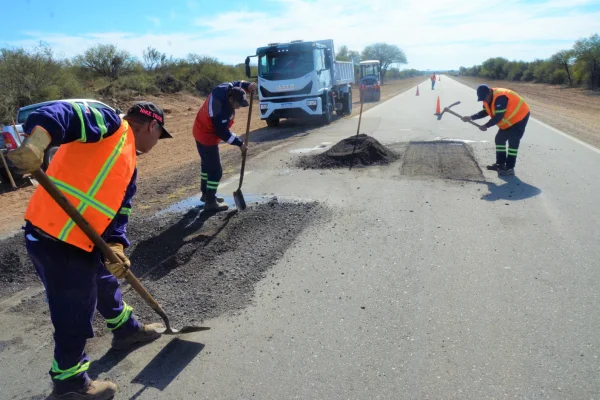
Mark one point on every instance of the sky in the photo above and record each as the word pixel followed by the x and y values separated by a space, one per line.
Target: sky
pixel 434 34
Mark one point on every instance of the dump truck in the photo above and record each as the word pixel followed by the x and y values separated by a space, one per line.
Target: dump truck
pixel 301 79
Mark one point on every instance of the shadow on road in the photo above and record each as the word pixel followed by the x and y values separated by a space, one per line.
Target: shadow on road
pixel 167 365
pixel 175 245
pixel 161 370
pixel 513 189
pixel 285 130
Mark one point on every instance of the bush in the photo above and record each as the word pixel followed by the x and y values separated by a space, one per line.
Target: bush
pixel 139 83
pixel 559 77
pixel 167 83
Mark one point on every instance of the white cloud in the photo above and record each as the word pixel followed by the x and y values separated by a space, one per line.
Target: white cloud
pixel 154 20
pixel 435 34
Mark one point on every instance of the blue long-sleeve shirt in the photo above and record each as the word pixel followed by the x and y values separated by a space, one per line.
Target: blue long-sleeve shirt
pixel 61 121
pixel 221 112
pixel 501 103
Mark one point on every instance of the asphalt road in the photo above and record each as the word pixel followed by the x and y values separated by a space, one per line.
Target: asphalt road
pixel 415 287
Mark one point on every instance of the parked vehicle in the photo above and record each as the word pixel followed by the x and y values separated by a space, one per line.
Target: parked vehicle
pixel 370 80
pixel 302 80
pixel 12 138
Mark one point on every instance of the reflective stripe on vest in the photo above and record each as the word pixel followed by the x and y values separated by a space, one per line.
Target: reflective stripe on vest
pixel 516 109
pixel 88 198
pixel 94 177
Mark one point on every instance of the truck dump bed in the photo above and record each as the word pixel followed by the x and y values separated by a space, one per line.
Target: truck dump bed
pixel 343 72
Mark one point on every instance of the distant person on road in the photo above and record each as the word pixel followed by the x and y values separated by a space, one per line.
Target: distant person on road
pixel 432 77
pixel 95 167
pixel 510 112
pixel 212 125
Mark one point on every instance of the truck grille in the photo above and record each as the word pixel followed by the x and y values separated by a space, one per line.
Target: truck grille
pixel 305 90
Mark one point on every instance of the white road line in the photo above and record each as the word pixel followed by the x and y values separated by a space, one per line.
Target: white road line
pixel 233 179
pixel 581 142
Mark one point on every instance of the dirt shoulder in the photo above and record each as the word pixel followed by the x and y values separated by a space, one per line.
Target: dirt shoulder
pixel 172 170
pixel 572 110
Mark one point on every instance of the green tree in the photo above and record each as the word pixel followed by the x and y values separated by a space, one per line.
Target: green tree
pixel 587 52
pixel 564 59
pixel 387 54
pixel 107 60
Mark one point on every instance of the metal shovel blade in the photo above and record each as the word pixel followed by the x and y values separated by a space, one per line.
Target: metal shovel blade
pixel 238 197
pixel 185 329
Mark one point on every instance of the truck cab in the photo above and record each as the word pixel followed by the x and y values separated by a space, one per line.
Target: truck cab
pixel 301 80
pixel 370 80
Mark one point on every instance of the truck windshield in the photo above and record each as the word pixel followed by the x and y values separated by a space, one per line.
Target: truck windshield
pixel 369 69
pixel 285 65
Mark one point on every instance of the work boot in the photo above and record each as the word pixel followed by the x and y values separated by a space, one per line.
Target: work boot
pixel 495 167
pixel 506 172
pixel 219 199
pixel 96 390
pixel 147 334
pixel 215 207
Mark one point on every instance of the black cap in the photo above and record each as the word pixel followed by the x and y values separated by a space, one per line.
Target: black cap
pixel 151 111
pixel 238 94
pixel 482 92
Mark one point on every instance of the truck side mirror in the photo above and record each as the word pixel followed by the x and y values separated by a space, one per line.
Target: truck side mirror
pixel 328 59
pixel 248 67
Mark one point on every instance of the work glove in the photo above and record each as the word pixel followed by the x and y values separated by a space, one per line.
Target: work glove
pixel 120 269
pixel 30 155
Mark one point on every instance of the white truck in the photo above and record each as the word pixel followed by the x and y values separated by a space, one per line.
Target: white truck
pixel 11 138
pixel 302 80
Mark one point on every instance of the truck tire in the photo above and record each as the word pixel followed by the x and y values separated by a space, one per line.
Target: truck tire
pixel 327 116
pixel 348 103
pixel 377 96
pixel 272 122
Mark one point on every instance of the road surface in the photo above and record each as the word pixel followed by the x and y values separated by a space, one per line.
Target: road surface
pixel 415 286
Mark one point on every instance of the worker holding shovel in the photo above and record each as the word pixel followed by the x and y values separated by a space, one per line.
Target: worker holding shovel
pixel 212 125
pixel 510 112
pixel 95 168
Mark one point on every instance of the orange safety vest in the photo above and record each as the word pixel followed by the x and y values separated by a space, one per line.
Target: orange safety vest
pixel 516 109
pixel 432 77
pixel 94 177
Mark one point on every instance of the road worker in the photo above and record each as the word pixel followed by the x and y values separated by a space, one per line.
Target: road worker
pixel 95 167
pixel 432 77
pixel 212 125
pixel 510 112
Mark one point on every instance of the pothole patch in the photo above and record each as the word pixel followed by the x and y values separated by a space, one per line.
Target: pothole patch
pixel 442 160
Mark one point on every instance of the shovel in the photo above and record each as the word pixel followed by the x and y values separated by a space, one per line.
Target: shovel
pixel 238 197
pixel 70 209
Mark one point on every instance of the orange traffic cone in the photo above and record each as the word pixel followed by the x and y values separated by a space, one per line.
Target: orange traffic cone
pixel 417 90
pixel 437 108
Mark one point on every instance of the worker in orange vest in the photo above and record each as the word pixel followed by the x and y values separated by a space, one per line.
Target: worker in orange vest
pixel 432 77
pixel 95 168
pixel 511 113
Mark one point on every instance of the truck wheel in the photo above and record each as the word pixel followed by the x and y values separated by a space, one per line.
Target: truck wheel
pixel 377 96
pixel 17 176
pixel 48 156
pixel 327 116
pixel 348 103
pixel 272 121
